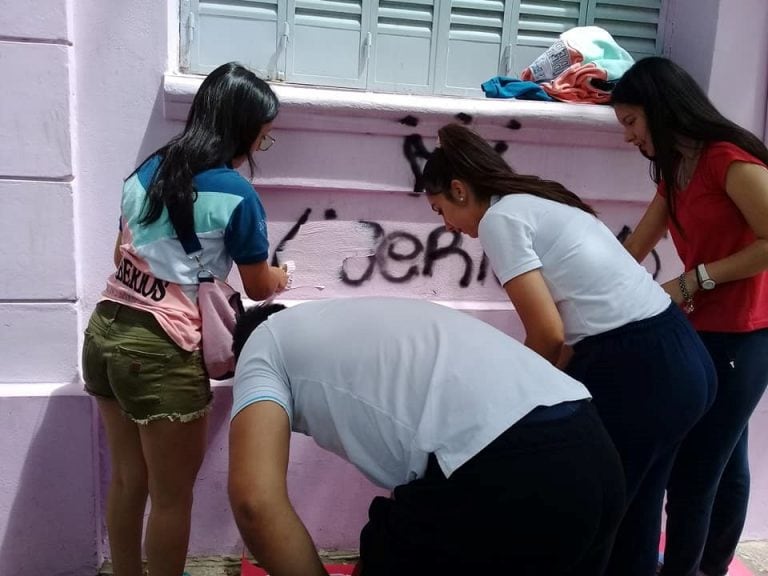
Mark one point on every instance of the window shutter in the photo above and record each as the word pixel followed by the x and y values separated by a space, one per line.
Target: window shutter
pixel 634 24
pixel 328 40
pixel 539 25
pixel 220 31
pixel 473 35
pixel 404 43
pixel 414 46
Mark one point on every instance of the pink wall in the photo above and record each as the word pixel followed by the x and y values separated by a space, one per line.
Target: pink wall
pixel 723 44
pixel 84 98
pixel 739 80
pixel 49 514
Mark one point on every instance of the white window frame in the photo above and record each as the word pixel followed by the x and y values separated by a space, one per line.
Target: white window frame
pixel 540 22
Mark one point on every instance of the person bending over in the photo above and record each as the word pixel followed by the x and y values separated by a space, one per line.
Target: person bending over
pixel 497 460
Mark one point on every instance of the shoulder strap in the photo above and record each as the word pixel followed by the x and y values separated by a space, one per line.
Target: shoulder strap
pixel 191 244
pixel 194 250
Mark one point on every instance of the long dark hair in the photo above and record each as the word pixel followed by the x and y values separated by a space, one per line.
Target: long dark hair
pixel 227 114
pixel 677 112
pixel 465 156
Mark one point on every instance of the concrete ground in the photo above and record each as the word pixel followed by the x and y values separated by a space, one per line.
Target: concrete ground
pixel 753 554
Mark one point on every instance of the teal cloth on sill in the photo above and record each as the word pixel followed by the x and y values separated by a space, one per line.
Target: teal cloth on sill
pixel 507 87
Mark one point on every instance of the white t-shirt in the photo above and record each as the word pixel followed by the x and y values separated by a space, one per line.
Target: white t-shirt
pixel 595 282
pixel 384 382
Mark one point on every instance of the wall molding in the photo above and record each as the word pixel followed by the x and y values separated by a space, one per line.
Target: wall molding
pixel 356 112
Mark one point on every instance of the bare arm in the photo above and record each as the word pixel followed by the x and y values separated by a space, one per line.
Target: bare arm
pixel 747 185
pixel 258 461
pixel 261 280
pixel 544 332
pixel 652 226
pixel 117 256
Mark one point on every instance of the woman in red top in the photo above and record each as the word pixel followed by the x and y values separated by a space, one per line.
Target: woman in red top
pixel 713 198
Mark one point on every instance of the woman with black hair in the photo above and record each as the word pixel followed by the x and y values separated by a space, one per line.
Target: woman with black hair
pixel 712 197
pixel 577 290
pixel 141 351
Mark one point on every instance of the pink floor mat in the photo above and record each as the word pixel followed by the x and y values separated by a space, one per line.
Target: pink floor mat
pixel 248 569
pixel 736 568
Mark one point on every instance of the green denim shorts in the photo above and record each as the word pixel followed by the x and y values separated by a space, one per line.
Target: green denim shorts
pixel 128 357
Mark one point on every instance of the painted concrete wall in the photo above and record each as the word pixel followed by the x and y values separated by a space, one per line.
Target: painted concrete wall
pixel 85 98
pixel 722 44
pixel 739 79
pixel 49 516
pixel 690 32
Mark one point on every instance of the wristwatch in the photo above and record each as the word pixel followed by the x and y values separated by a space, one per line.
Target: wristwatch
pixel 705 282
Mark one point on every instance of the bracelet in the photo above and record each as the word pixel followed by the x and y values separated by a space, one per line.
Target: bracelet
pixel 687 298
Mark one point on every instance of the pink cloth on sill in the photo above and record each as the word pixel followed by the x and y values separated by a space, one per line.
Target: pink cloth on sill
pixel 569 68
pixel 575 85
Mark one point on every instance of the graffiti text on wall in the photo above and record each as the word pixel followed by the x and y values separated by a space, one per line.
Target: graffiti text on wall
pixel 400 256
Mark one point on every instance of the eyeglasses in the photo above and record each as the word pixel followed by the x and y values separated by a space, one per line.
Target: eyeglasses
pixel 266 143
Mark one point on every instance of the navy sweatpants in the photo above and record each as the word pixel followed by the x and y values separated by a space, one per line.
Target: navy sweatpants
pixel 709 487
pixel 651 381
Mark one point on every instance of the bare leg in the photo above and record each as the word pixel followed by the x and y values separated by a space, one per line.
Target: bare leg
pixel 127 496
pixel 174 452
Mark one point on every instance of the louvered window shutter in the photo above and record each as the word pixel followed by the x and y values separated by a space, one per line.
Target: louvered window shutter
pixel 248 31
pixel 410 46
pixel 634 24
pixel 328 40
pixel 404 43
pixel 472 38
pixel 539 25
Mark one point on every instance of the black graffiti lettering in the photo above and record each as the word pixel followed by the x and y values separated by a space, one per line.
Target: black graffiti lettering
pixel 413 149
pixel 395 247
pixel 656 262
pixel 464 118
pixel 388 251
pixel 482 270
pixel 435 252
pixel 378 234
pixel 291 235
pixel 623 233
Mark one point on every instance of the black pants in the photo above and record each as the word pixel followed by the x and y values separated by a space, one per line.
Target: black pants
pixel 543 499
pixel 650 381
pixel 709 486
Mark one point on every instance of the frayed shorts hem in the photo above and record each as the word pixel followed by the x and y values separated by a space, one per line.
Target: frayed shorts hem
pixel 171 416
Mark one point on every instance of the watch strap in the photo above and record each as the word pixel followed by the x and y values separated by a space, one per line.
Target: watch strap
pixel 703 278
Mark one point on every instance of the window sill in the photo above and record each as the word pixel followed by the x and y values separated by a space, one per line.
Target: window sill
pixel 355 112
